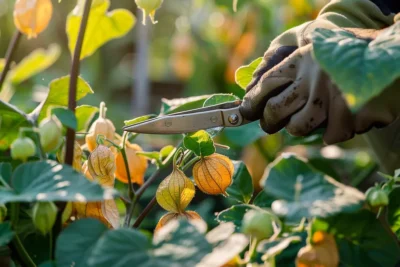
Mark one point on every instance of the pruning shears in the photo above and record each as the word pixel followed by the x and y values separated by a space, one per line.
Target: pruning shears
pixel 221 115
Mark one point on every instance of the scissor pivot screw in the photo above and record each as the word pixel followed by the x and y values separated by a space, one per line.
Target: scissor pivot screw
pixel 233 119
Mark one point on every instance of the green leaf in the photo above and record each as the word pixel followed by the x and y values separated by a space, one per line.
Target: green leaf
pixel 166 151
pixel 304 192
pixel 263 200
pixel 152 155
pixel 227 244
pixel 35 62
pixel 6 234
pixel 244 135
pixel 51 181
pixel 58 95
pixel 182 245
pixel 5 172
pixel 76 242
pixel 361 239
pixel 139 119
pixel 102 26
pixel 66 117
pixel 11 119
pixel 182 104
pixel 200 143
pixel 244 74
pixel 284 249
pixel 236 213
pixel 84 115
pixel 219 99
pixel 394 211
pixel 241 188
pixel 364 67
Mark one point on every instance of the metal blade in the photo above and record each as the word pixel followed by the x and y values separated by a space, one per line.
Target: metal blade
pixel 183 123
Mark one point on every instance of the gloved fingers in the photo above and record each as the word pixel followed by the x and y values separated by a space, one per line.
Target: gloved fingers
pixel 312 115
pixel 271 84
pixel 340 125
pixel 270 60
pixel 279 108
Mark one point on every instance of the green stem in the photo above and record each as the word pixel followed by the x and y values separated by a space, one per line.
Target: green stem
pixel 21 251
pixel 103 110
pixel 51 244
pixel 190 163
pixel 9 56
pixel 123 152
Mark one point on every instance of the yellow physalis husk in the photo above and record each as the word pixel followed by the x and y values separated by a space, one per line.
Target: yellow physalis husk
pixel 175 192
pixel 213 174
pixel 101 165
pixel 189 215
pixel 105 211
pixel 32 17
pixel 149 8
pixel 77 161
pixel 137 165
pixel 322 253
pixel 102 126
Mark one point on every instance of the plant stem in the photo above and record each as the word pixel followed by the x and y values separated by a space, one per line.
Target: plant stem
pixel 123 152
pixel 73 83
pixel 190 163
pixel 21 251
pixel 9 56
pixel 144 213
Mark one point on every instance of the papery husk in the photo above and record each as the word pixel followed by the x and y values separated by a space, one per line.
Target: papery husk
pixel 189 215
pixel 101 165
pixel 175 192
pixel 213 174
pixel 137 165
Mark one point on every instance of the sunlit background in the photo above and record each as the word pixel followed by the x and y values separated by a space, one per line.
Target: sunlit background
pixel 194 50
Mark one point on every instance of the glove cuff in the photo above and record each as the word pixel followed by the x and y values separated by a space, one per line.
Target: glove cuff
pixel 355 14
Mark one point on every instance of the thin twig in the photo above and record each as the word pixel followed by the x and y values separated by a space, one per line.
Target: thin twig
pixel 9 56
pixel 73 82
pixel 144 213
pixel 124 156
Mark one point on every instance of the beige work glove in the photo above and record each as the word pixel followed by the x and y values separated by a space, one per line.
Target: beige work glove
pixel 298 95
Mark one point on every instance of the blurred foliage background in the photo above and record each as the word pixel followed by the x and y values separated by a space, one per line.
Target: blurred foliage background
pixel 194 49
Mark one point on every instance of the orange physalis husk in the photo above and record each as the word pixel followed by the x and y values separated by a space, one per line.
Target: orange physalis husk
pixel 322 253
pixel 102 126
pixel 77 161
pixel 101 165
pixel 189 215
pixel 175 192
pixel 137 165
pixel 213 174
pixel 32 17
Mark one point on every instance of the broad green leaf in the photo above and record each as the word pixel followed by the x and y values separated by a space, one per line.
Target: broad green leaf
pixel 362 239
pixel 6 234
pixel 76 242
pixel 66 117
pixel 102 27
pixel 244 135
pixel 361 68
pixel 139 119
pixel 394 211
pixel 84 114
pixel 37 61
pixel 227 245
pixel 219 99
pixel 304 192
pixel 51 181
pixel 58 95
pixel 263 200
pixel 5 172
pixel 236 213
pixel 244 74
pixel 241 188
pixel 11 119
pixel 180 245
pixel 284 249
pixel 182 104
pixel 200 143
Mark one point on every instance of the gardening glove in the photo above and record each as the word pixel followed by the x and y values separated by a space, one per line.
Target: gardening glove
pixel 336 14
pixel 298 95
